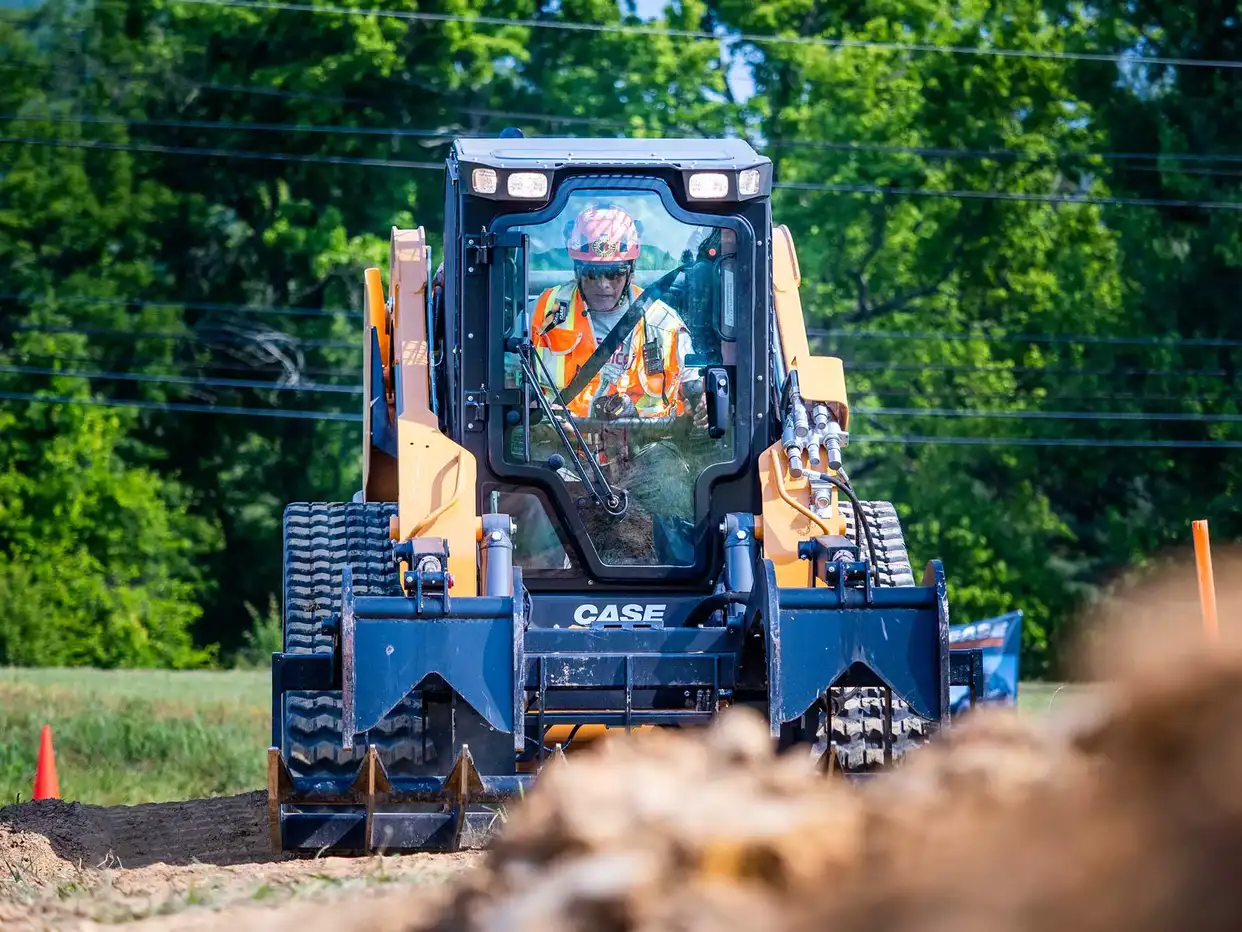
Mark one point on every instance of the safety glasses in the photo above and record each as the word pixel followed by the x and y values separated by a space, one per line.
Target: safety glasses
pixel 593 272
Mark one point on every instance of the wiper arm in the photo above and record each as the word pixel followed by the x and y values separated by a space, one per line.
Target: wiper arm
pixel 614 503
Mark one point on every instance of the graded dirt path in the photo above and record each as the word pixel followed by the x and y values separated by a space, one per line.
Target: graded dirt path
pixel 188 865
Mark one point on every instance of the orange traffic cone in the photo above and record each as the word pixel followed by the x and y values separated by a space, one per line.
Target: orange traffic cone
pixel 46 786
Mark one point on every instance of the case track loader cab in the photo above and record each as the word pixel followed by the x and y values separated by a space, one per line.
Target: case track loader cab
pixel 603 488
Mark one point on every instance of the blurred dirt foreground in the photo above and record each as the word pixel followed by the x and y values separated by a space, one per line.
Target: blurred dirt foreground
pixel 1122 814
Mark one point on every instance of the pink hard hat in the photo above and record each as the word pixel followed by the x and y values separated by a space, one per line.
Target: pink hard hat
pixel 604 234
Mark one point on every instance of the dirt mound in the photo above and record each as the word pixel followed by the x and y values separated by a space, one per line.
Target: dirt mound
pixel 1127 818
pixel 27 859
pixel 668 831
pixel 225 830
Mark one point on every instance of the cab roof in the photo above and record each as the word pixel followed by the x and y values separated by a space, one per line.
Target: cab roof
pixel 550 152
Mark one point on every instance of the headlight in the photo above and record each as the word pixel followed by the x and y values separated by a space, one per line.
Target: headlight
pixel 709 185
pixel 527 184
pixel 748 183
pixel 483 180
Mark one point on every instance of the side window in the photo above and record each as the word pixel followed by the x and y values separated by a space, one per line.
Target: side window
pixel 536 546
pixel 515 308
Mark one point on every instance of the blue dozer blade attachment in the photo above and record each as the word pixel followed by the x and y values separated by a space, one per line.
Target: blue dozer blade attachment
pixel 999 641
pixel 896 637
pixel 490 682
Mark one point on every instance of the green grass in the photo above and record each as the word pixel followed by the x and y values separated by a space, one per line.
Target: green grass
pixel 132 736
pixel 1047 697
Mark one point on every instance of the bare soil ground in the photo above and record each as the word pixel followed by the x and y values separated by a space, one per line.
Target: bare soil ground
pixel 183 865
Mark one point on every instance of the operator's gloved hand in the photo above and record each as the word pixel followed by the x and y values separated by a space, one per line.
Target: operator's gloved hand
pixel 697 398
pixel 610 407
pixel 700 411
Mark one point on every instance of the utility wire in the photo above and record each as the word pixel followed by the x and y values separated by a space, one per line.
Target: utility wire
pixel 862 365
pixel 187 305
pixel 1031 155
pixel 183 407
pixel 162 379
pixel 221 153
pixel 1021 155
pixel 854 438
pixel 1023 415
pixel 867 365
pixel 1048 442
pixel 1051 338
pixel 161 367
pixel 964 194
pixel 173 336
pixel 165 379
pixel 652 31
pixel 349 388
pixel 830 333
pixel 962 394
pixel 327 128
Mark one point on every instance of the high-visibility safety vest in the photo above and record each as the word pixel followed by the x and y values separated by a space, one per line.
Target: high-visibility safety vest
pixel 562 334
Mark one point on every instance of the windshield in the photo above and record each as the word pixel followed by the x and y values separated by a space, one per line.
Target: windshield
pixel 618 318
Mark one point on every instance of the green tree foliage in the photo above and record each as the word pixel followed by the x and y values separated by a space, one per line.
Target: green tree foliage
pixel 100 551
pixel 861 118
pixel 1182 266
pixel 226 164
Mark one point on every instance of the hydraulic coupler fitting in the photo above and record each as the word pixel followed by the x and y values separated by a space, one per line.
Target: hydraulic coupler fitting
pixel 793 444
pixel 795 462
pixel 820 416
pixel 802 426
pixel 834 440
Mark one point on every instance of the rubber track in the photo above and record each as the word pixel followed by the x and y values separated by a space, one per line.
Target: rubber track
pixel 320 538
pixel 858 716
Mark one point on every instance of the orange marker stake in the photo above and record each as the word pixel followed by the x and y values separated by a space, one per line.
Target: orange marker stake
pixel 1207 586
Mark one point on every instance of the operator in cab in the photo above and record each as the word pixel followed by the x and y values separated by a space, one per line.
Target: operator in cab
pixel 624 375
pixel 647 375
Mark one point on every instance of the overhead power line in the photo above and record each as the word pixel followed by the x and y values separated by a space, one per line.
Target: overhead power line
pixel 175 336
pixel 1005 368
pixel 183 407
pixel 1049 442
pixel 187 305
pixel 1051 338
pixel 963 194
pixel 324 128
pixel 934 152
pixel 220 153
pixel 830 145
pixel 198 382
pixel 962 394
pixel 215 382
pixel 178 407
pixel 1024 415
pixel 1022 155
pixel 270 367
pixel 759 39
pixel 967 194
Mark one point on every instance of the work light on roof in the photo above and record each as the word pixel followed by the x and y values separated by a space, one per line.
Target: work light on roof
pixel 483 180
pixel 709 186
pixel 527 185
pixel 748 182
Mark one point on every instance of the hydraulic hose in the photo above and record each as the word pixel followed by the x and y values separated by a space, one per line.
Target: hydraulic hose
pixel 790 500
pixel 844 486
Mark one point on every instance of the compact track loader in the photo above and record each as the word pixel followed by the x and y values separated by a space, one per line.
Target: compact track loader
pixel 604 488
